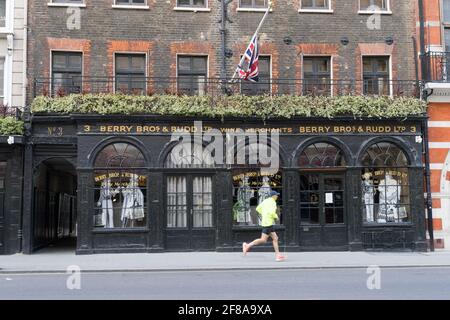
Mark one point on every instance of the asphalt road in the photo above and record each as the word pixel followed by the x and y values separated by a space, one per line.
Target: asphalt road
pixel 395 283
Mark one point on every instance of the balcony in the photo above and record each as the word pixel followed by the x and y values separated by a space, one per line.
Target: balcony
pixel 197 85
pixel 437 67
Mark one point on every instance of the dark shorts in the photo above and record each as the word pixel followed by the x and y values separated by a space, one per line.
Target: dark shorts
pixel 268 230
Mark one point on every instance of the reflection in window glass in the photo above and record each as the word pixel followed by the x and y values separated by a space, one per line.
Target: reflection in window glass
pixel 250 188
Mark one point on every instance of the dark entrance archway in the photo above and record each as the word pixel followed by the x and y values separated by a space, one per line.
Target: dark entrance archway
pixel 54 212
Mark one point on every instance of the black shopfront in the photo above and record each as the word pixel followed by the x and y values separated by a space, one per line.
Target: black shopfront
pixel 345 184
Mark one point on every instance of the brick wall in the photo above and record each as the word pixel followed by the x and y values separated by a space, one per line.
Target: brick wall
pixel 167 32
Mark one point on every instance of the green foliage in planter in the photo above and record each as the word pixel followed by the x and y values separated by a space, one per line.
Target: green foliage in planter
pixel 11 126
pixel 263 107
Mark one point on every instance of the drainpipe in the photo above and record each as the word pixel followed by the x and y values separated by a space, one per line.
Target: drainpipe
pixel 223 68
pixel 429 203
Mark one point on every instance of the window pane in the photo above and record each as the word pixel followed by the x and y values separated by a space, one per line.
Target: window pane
pixel 447 38
pixel 323 65
pixel 199 64
pixel 199 3
pixel 382 64
pixel 2 13
pixel 138 63
pixel 184 64
pixel 184 2
pixel 260 3
pixel 446 9
pixel 246 3
pixel 307 3
pixel 75 61
pixel 307 65
pixel 2 78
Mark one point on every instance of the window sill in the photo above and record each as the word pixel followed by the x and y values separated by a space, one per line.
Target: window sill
pixel 326 11
pixel 387 224
pixel 5 31
pixel 120 230
pixel 76 5
pixel 192 9
pixel 116 6
pixel 256 228
pixel 375 12
pixel 253 10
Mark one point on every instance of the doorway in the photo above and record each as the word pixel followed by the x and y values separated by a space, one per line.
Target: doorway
pixel 54 206
pixel 190 219
pixel 323 221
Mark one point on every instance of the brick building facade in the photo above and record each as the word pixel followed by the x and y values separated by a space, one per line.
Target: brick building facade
pixel 176 47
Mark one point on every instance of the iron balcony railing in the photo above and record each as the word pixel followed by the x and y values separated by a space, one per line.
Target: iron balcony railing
pixel 7 111
pixel 437 66
pixel 198 85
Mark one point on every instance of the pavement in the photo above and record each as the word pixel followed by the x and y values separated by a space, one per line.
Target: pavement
pixel 57 261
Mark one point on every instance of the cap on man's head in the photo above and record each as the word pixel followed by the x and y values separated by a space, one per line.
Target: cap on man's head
pixel 274 193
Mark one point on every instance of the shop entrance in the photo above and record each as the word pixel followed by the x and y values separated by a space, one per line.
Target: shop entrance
pixel 54 205
pixel 190 219
pixel 322 210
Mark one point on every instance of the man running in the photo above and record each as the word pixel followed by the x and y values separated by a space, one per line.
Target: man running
pixel 268 211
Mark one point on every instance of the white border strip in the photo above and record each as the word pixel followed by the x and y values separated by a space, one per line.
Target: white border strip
pixel 439 145
pixel 439 124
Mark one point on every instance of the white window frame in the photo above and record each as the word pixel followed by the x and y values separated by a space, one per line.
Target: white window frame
pixel 4 98
pixel 387 11
pixel 270 70
pixel 82 4
pixel 252 9
pixel 9 18
pixel 144 6
pixel 193 9
pixel 130 53
pixel 316 10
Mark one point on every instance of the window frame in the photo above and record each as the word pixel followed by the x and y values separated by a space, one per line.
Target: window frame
pixel 67 3
pixel 5 80
pixel 389 77
pixel 315 9
pixel 241 81
pixel 9 18
pixel 192 73
pixel 65 52
pixel 314 57
pixel 131 5
pixel 445 25
pixel 381 11
pixel 192 7
pixel 129 53
pixel 253 8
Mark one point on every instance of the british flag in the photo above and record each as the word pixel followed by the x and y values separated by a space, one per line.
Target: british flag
pixel 251 58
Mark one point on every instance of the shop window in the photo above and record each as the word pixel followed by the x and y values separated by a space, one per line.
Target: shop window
pixel 66 73
pixel 317 75
pixel 250 188
pixel 130 73
pixel 120 187
pixel 385 185
pixel 376 75
pixel 263 85
pixel 252 184
pixel 322 155
pixel 192 75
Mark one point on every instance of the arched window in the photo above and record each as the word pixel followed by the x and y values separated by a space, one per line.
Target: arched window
pixel 255 174
pixel 189 155
pixel 322 155
pixel 384 154
pixel 385 184
pixel 120 187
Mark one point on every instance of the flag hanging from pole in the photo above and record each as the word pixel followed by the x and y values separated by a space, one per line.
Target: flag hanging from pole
pixel 251 57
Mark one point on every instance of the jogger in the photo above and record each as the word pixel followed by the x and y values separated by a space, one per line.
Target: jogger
pixel 268 211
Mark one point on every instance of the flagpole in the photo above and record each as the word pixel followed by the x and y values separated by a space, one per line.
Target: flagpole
pixel 254 35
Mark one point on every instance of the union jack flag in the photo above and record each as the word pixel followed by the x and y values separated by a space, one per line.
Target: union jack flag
pixel 251 57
